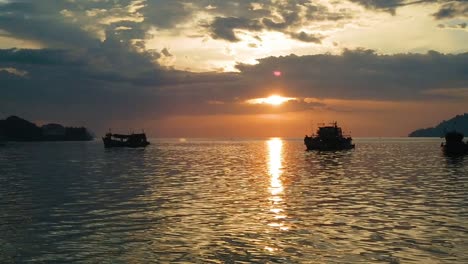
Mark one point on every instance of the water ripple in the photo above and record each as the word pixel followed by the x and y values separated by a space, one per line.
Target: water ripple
pixel 265 201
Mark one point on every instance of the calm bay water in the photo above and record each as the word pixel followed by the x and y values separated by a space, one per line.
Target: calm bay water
pixel 215 201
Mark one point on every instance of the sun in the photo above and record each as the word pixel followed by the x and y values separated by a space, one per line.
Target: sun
pixel 276 100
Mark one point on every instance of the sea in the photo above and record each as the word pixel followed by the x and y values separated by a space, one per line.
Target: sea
pixel 390 200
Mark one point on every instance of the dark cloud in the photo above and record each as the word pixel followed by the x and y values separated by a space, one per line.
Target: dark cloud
pixel 392 5
pixel 386 5
pixel 167 13
pixel 33 21
pixel 285 17
pixel 452 10
pixel 223 27
pixel 460 26
pixel 448 8
pixel 362 74
pixel 236 107
pixel 166 52
pixel 288 17
pixel 270 24
pixel 302 36
pixel 322 13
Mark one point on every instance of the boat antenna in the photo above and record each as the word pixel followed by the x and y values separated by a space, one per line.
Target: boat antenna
pixel 311 125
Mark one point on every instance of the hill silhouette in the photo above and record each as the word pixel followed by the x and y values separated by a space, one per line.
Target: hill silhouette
pixel 459 123
pixel 17 129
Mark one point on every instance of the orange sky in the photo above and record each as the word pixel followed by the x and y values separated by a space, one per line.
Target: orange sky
pixel 360 118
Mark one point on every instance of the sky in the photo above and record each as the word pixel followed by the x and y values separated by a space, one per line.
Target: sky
pixel 201 68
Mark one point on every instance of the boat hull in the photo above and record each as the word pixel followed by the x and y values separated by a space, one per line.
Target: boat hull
pixel 110 143
pixel 454 145
pixel 317 144
pixel 455 149
pixel 329 147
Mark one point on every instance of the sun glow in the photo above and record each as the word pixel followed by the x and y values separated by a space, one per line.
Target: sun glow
pixel 272 100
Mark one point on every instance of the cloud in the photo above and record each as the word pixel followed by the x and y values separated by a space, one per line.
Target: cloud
pixel 166 52
pixel 459 26
pixel 456 93
pixel 386 5
pixel 223 27
pixel 302 36
pixel 285 17
pixel 361 74
pixel 452 10
pixel 14 71
pixel 448 9
pixel 167 13
pixel 316 12
pixel 87 23
pixel 37 22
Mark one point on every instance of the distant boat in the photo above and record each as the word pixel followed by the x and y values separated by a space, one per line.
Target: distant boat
pixel 328 138
pixel 454 144
pixel 119 140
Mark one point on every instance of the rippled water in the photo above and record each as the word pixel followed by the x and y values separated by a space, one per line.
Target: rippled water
pixel 200 201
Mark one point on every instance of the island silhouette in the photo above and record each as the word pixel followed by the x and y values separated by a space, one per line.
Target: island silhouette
pixel 458 123
pixel 17 129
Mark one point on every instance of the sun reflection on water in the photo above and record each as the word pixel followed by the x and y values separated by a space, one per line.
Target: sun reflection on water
pixel 275 149
pixel 275 146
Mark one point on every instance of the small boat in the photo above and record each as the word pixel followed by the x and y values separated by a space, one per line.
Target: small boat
pixel 454 144
pixel 328 138
pixel 119 140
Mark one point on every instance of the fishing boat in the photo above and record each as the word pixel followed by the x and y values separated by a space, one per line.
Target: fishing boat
pixel 328 138
pixel 454 144
pixel 120 140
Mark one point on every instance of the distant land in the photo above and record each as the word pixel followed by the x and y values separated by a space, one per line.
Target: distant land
pixel 17 129
pixel 459 123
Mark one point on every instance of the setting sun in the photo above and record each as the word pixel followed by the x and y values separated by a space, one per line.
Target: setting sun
pixel 275 100
pixel 272 100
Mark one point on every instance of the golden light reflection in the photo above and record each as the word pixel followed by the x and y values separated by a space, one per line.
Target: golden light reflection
pixel 275 149
pixel 275 146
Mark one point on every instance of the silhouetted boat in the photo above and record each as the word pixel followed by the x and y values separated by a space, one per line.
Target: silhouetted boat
pixel 328 138
pixel 454 144
pixel 119 140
